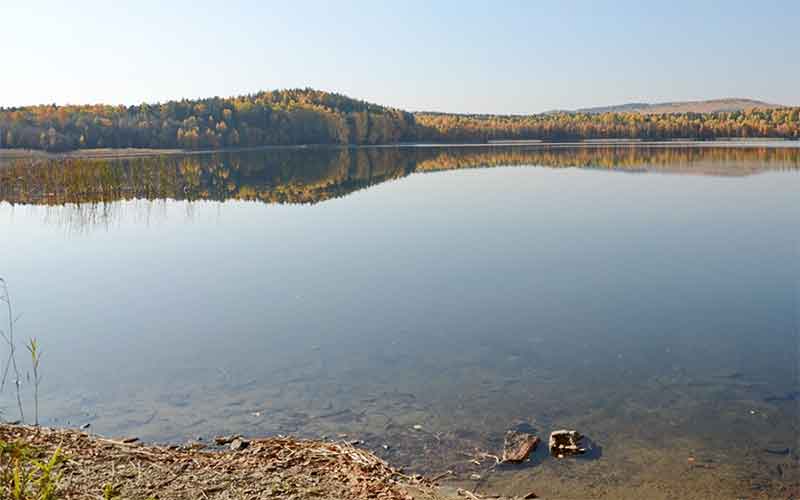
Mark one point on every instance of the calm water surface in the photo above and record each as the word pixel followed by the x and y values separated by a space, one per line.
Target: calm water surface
pixel 646 296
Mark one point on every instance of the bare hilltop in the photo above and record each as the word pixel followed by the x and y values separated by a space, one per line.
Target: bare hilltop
pixel 726 105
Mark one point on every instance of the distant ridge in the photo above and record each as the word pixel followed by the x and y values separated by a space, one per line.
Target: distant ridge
pixel 709 106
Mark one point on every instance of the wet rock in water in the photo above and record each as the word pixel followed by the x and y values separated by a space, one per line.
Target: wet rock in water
pixel 239 444
pixel 565 443
pixel 223 440
pixel 517 446
pixel 85 426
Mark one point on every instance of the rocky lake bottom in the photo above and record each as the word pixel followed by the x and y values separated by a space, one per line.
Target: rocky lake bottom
pixel 422 304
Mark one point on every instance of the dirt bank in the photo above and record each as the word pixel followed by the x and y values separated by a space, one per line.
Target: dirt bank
pixel 276 467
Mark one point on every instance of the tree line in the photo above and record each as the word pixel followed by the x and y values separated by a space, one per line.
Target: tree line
pixel 307 116
pixel 281 117
pixel 564 126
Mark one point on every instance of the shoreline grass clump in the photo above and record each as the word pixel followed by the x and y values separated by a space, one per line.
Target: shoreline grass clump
pixel 25 473
pixel 36 357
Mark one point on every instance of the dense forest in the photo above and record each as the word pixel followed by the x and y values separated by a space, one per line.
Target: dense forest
pixel 307 116
pixel 284 117
pixel 753 123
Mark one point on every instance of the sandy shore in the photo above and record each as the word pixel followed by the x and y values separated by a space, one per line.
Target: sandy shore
pixel 275 467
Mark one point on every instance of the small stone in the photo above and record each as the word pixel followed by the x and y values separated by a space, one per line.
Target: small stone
pixel 475 477
pixel 530 495
pixel 223 440
pixel 518 446
pixel 85 426
pixel 239 444
pixel 386 447
pixel 417 427
pixel 565 442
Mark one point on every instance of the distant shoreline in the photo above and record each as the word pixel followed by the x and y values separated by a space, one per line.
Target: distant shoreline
pixel 128 153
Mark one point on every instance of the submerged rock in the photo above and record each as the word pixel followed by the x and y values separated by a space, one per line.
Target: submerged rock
pixel 223 440
pixel 788 396
pixel 239 444
pixel 517 446
pixel 565 443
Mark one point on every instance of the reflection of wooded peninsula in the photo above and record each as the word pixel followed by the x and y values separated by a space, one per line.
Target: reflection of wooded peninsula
pixel 314 175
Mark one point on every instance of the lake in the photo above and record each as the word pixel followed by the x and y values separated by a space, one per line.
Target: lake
pixel 425 300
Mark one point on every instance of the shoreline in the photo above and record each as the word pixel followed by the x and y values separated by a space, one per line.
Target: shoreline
pixel 280 467
pixel 127 153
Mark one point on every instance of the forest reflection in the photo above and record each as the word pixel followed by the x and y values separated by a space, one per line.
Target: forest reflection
pixel 312 175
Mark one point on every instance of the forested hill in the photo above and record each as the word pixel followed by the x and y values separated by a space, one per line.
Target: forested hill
pixel 307 116
pixel 281 117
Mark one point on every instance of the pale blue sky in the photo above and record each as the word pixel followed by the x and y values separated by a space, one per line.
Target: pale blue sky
pixel 502 56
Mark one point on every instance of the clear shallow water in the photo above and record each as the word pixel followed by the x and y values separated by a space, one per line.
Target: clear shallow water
pixel 648 298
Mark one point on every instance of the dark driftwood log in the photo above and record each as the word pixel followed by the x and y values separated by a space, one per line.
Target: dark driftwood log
pixel 517 447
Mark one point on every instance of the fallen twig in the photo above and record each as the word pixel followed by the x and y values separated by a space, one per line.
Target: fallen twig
pixel 441 476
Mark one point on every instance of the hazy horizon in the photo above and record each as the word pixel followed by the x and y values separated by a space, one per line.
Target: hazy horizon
pixel 516 58
pixel 599 105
